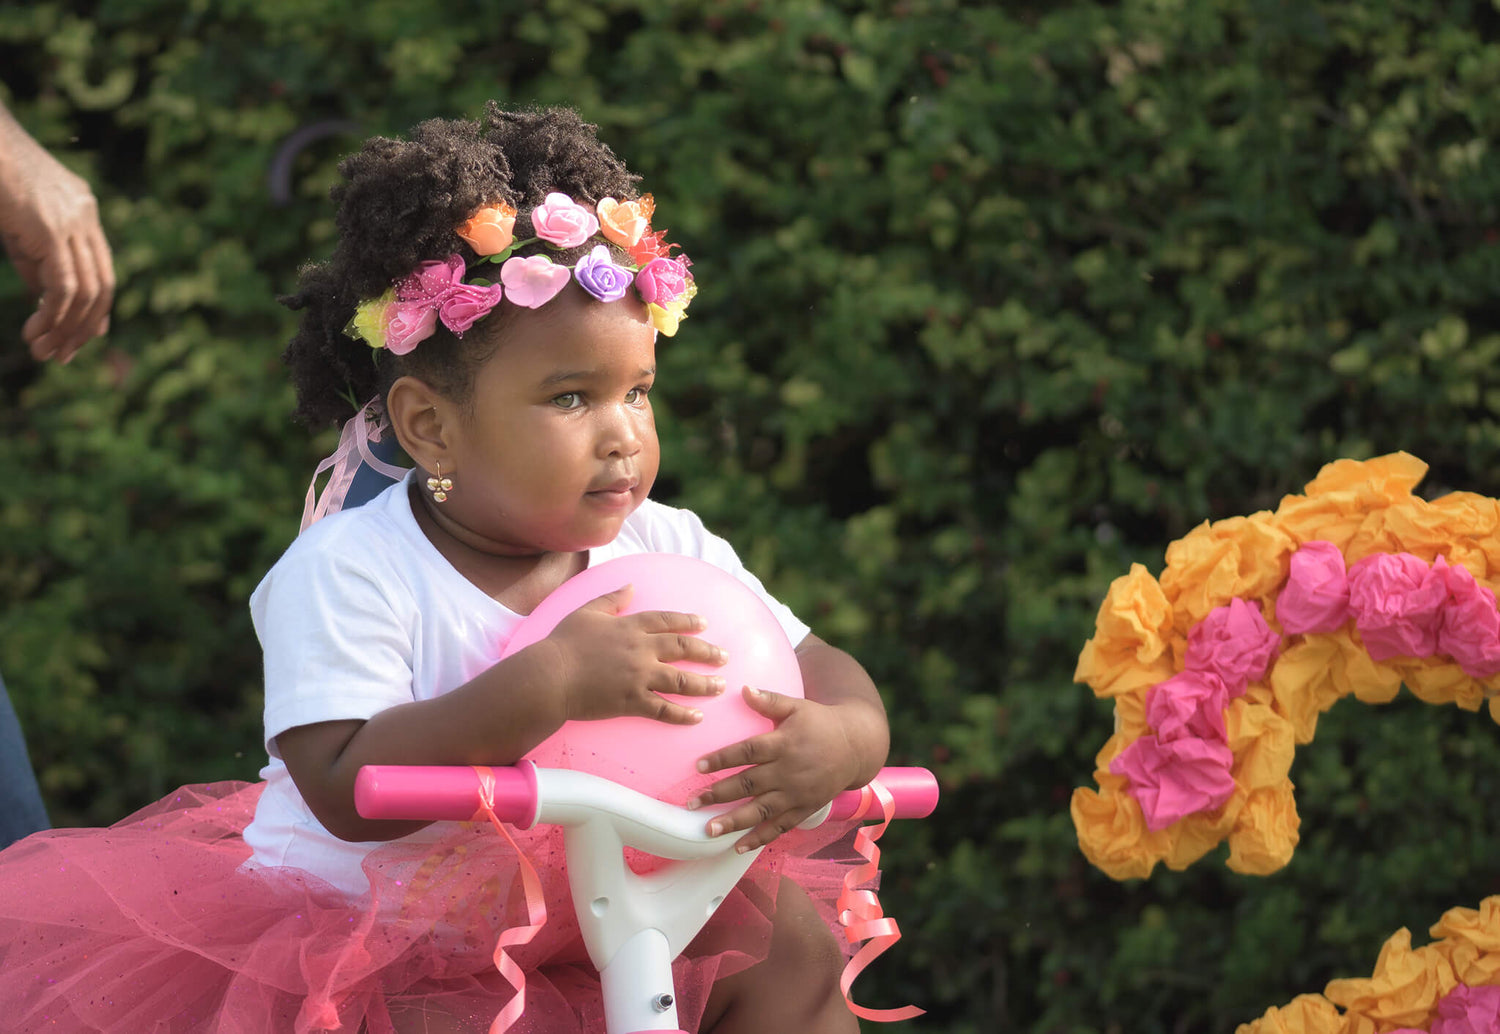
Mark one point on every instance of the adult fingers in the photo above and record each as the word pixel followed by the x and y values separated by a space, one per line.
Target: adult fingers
pixel 95 322
pixel 59 288
pixel 78 324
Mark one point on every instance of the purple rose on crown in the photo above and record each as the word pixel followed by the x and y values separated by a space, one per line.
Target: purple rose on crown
pixel 597 274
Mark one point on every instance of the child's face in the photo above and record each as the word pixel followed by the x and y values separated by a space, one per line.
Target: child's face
pixel 561 444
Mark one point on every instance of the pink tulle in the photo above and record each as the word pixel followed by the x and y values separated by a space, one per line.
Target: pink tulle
pixel 153 925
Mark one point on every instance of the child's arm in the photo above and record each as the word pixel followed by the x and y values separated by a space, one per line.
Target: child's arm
pixel 595 664
pixel 835 739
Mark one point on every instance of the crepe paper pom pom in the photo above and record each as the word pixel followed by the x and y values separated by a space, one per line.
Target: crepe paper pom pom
pixel 1316 596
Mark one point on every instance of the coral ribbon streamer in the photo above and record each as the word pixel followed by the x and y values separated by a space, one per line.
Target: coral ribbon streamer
pixel 860 912
pixel 353 449
pixel 536 909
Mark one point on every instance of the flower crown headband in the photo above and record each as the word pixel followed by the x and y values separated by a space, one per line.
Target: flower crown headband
pixel 408 313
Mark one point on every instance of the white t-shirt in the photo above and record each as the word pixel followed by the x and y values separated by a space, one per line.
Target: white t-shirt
pixel 362 613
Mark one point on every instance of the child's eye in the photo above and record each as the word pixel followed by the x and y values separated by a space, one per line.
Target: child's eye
pixel 636 396
pixel 568 400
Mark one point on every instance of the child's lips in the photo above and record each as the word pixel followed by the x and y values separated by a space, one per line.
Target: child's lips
pixel 620 490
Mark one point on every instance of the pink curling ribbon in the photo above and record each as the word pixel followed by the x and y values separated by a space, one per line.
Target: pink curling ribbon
pixel 536 909
pixel 353 449
pixel 859 910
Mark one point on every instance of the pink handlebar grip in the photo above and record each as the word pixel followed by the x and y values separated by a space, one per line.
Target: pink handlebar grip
pixel 914 792
pixel 442 792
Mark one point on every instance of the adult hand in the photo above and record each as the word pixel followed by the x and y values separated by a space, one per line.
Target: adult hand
pixel 49 225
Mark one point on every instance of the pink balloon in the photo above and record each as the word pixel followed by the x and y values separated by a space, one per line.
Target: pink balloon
pixel 653 757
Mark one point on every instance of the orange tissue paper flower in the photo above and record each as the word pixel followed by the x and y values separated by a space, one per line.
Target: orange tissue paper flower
pixel 1236 558
pixel 1305 1014
pixel 1113 836
pixel 1129 650
pixel 1266 832
pixel 1405 988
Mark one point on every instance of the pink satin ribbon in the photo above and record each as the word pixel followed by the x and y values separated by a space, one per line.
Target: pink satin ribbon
pixel 353 449
pixel 859 910
pixel 536 909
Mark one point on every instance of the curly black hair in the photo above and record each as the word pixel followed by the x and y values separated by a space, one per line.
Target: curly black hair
pixel 400 204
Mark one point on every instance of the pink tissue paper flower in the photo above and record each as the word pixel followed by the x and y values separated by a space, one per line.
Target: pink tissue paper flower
pixel 1174 779
pixel 1468 1010
pixel 1397 601
pixel 409 324
pixel 563 222
pixel 1316 596
pixel 533 281
pixel 1470 628
pixel 1190 704
pixel 1235 643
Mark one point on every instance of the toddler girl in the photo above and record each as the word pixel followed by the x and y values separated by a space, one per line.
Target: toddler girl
pixel 494 302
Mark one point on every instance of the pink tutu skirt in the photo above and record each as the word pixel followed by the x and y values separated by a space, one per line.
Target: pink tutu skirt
pixel 155 926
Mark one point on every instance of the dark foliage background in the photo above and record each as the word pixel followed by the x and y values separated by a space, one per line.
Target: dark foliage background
pixel 996 299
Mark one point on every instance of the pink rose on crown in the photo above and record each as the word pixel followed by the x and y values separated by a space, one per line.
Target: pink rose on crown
pixel 467 303
pixel 533 281
pixel 662 280
pixel 1233 642
pixel 431 281
pixel 1397 601
pixel 563 222
pixel 1190 703
pixel 1174 779
pixel 1316 596
pixel 1470 628
pixel 407 325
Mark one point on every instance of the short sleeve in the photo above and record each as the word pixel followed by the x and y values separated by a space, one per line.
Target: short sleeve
pixel 335 646
pixel 674 530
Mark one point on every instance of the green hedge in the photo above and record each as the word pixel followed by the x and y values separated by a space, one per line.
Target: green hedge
pixel 995 301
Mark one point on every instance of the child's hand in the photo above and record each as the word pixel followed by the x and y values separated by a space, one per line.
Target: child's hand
pixel 613 665
pixel 794 770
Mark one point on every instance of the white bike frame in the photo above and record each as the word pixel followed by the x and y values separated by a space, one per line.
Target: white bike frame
pixel 633 924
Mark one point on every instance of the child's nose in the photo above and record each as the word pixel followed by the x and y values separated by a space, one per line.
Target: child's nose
pixel 621 434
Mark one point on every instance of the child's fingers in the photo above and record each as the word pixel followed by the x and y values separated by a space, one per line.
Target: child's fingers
pixel 611 602
pixel 675 680
pixel 746 782
pixel 775 706
pixel 666 622
pixel 766 818
pixel 660 709
pixel 757 750
pixel 678 646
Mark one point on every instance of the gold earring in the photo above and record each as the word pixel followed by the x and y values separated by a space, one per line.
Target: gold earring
pixel 439 486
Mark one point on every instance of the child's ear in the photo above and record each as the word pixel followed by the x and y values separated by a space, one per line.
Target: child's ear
pixel 417 415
